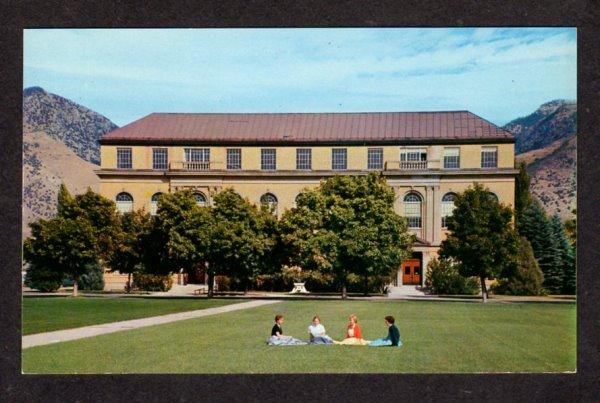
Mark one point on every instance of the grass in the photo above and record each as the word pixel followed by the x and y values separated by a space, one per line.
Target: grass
pixel 438 337
pixel 48 314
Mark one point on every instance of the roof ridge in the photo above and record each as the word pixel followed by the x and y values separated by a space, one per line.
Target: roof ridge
pixel 301 113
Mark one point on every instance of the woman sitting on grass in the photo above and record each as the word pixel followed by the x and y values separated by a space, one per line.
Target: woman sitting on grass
pixel 278 339
pixel 316 332
pixel 393 337
pixel 353 335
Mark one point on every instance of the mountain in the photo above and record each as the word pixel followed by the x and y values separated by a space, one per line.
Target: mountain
pixel 552 121
pixel 78 127
pixel 547 141
pixel 60 144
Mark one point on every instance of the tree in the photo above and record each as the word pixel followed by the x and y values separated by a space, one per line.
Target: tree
pixel 528 278
pixel 65 246
pixel 522 192
pixel 244 238
pixel 42 278
pixel 92 279
pixel 567 258
pixel 179 237
pixel 346 227
pixel 535 226
pixel 481 239
pixel 571 230
pixel 444 278
pixel 128 251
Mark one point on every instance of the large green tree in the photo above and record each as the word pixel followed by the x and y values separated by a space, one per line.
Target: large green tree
pixel 66 246
pixel 528 278
pixel 481 238
pixel 567 258
pixel 347 226
pixel 244 238
pixel 127 256
pixel 523 196
pixel 536 227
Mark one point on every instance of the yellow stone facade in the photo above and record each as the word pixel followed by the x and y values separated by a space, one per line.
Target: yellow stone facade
pixel 430 181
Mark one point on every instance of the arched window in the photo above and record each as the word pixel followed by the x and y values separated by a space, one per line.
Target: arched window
pixel 200 199
pixel 124 202
pixel 447 207
pixel 412 210
pixel 493 196
pixel 154 203
pixel 269 200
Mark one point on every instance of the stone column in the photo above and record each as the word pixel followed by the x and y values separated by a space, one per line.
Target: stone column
pixel 428 221
pixel 437 216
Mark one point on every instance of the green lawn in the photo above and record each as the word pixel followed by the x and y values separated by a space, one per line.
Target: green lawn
pixel 55 313
pixel 437 336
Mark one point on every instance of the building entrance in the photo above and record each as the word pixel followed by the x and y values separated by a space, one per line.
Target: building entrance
pixel 411 272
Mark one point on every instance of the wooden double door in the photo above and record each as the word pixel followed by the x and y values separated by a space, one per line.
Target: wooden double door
pixel 411 272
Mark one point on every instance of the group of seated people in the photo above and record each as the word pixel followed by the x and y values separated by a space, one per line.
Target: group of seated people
pixel 352 336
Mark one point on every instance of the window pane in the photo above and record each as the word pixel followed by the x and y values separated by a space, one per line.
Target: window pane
pixel 412 210
pixel 452 157
pixel 375 158
pixel 303 158
pixel 338 159
pixel 159 158
pixel 124 158
pixel 234 158
pixel 268 159
pixel 489 157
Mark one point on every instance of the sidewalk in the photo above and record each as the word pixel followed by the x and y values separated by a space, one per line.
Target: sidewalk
pixel 58 336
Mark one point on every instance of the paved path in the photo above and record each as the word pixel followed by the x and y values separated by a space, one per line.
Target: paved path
pixel 41 339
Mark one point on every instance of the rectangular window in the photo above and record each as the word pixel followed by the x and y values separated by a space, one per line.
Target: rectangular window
pixel 339 159
pixel 234 158
pixel 268 159
pixel 197 159
pixel 489 157
pixel 124 158
pixel 375 158
pixel 452 158
pixel 413 155
pixel 160 158
pixel 303 158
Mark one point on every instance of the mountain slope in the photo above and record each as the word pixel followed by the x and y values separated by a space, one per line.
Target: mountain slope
pixel 547 141
pixel 78 127
pixel 552 121
pixel 60 144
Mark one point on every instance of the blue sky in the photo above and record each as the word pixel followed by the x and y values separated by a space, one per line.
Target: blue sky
pixel 124 74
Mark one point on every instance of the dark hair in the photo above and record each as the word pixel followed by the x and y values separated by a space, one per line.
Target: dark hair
pixel 390 319
pixel 316 317
pixel 277 317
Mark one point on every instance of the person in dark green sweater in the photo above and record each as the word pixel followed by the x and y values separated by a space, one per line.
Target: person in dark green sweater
pixel 393 337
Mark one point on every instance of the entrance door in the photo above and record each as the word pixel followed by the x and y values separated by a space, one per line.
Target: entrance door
pixel 411 272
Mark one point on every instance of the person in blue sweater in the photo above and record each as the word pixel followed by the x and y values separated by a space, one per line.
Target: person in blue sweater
pixel 393 337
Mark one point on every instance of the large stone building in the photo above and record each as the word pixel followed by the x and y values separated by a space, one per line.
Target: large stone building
pixel 427 157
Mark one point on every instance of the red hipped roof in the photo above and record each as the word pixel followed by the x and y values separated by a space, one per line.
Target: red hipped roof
pixel 307 128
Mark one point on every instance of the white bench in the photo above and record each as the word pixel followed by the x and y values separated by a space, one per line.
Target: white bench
pixel 299 288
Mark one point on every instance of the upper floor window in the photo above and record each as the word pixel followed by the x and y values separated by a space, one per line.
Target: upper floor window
pixel 160 157
pixel 124 202
pixel 412 210
pixel 451 157
pixel 339 159
pixel 303 158
pixel 489 157
pixel 197 158
pixel 154 203
pixel 413 155
pixel 234 158
pixel 270 201
pixel 375 158
pixel 124 158
pixel 200 199
pixel 447 207
pixel 268 159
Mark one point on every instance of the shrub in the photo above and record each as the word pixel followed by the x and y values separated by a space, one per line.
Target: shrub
pixel 93 280
pixel 152 282
pixel 42 279
pixel 528 278
pixel 443 278
pixel 224 283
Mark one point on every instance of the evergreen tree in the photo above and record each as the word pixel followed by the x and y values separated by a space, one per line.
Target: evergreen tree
pixel 536 227
pixel 528 278
pixel 569 280
pixel 522 193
